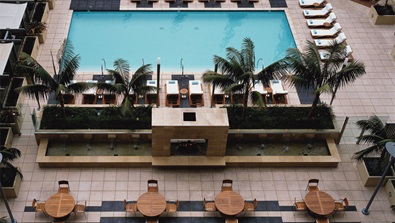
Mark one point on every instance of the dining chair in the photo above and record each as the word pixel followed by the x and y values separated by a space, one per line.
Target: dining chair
pixel 248 206
pixel 209 206
pixel 152 220
pixel 312 185
pixel 231 220
pixel 341 205
pixel 64 186
pixel 39 206
pixel 129 208
pixel 322 220
pixel 172 207
pixel 79 208
pixel 152 185
pixel 227 185
pixel 299 206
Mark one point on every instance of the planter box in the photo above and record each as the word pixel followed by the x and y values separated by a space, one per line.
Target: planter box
pixel 381 19
pixel 30 46
pixel 42 36
pixel 367 179
pixel 12 192
pixel 41 12
pixel 6 136
pixel 14 99
pixel 390 189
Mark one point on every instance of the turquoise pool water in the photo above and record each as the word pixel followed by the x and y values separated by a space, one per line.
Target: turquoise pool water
pixel 193 36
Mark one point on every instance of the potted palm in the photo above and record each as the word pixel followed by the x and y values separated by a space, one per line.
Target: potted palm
pixel 38 29
pixel 373 159
pixel 10 176
pixel 11 117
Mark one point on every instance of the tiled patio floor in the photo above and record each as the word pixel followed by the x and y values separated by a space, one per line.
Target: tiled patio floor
pixel 374 93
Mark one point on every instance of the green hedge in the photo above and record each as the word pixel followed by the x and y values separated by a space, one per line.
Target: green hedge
pixel 140 118
pixel 280 118
pixel 95 118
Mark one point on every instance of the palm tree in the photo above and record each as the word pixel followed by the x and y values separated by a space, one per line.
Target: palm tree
pixel 129 87
pixel 374 134
pixel 60 83
pixel 308 72
pixel 238 72
pixel 10 154
pixel 348 74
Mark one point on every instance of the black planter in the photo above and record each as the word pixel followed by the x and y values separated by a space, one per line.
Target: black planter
pixel 39 11
pixel 384 10
pixel 12 96
pixel 7 177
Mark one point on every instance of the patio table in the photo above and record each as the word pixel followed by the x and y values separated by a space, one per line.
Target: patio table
pixel 151 204
pixel 229 203
pixel 59 205
pixel 319 203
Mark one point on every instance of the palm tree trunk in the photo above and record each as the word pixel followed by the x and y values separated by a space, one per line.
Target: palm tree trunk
pixel 212 96
pixel 334 92
pixel 245 98
pixel 314 105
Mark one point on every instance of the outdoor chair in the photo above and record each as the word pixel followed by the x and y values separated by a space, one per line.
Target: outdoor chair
pixel 299 206
pixel 172 207
pixel 250 206
pixel 325 43
pixel 227 185
pixel 341 205
pixel 79 208
pixel 129 208
pixel 327 22
pixel 311 3
pixel 325 54
pixel 322 220
pixel 231 220
pixel 318 13
pixel 64 186
pixel 209 206
pixel 38 206
pixel 332 32
pixel 312 185
pixel 152 185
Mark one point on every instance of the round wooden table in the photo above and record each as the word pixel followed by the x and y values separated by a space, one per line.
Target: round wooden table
pixel 229 203
pixel 184 92
pixel 319 203
pixel 151 204
pixel 59 205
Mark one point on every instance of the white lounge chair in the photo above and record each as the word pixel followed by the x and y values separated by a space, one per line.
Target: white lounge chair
pixel 219 95
pixel 327 42
pixel 195 93
pixel 172 93
pixel 317 33
pixel 324 54
pixel 318 12
pixel 258 86
pixel 150 97
pixel 310 3
pixel 322 22
pixel 278 92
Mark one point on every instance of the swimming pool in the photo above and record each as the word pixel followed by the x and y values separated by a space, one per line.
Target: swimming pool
pixel 191 36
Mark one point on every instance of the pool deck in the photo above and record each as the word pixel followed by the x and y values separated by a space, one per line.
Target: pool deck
pixel 374 93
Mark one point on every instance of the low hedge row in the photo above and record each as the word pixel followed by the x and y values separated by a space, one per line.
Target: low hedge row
pixel 140 118
pixel 95 118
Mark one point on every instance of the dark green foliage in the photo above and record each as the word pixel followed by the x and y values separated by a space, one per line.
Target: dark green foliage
pixel 95 118
pixel 280 118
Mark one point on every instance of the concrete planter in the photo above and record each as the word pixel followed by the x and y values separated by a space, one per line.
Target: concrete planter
pixel 30 46
pixel 381 19
pixel 390 189
pixel 367 179
pixel 6 136
pixel 12 192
